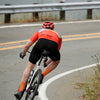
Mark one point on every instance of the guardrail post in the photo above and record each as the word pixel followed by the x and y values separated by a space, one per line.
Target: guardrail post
pixel 7 16
pixel 89 12
pixel 35 14
pixel 62 13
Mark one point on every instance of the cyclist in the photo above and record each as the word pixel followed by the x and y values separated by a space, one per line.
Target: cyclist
pixel 46 39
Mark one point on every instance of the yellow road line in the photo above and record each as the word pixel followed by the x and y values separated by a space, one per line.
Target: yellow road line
pixel 7 48
pixel 70 39
pixel 13 42
pixel 80 35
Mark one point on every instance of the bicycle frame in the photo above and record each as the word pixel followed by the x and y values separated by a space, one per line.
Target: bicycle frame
pixel 37 67
pixel 44 55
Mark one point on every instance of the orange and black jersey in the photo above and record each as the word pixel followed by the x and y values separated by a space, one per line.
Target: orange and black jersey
pixel 47 34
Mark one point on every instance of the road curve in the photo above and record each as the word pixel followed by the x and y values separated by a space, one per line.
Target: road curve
pixel 80 43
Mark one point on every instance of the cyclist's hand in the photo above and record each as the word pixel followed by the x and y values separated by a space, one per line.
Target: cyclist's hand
pixel 21 56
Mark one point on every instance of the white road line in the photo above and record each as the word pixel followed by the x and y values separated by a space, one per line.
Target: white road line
pixel 28 25
pixel 43 87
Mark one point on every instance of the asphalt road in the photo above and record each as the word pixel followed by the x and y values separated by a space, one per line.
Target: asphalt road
pixel 80 44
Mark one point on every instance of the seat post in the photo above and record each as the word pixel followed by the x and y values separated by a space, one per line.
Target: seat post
pixel 40 60
pixel 44 54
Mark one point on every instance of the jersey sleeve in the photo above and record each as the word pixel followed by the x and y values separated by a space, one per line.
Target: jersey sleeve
pixel 60 42
pixel 34 38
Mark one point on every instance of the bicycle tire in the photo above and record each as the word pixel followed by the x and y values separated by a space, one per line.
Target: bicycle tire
pixel 31 93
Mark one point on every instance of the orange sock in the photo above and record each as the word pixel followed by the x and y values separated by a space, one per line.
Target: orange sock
pixel 22 85
pixel 46 71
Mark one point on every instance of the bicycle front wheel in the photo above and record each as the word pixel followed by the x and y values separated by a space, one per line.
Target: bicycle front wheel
pixel 33 89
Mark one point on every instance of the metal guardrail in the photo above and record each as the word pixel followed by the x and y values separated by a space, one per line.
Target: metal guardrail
pixel 12 9
pixel 35 8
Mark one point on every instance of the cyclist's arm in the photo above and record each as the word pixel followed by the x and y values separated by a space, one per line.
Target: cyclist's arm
pixel 26 47
pixel 29 43
pixel 34 37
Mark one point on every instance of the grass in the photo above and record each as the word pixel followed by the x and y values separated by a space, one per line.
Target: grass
pixel 92 89
pixel 91 86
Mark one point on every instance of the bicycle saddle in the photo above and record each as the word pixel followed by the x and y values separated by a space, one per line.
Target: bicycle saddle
pixel 45 53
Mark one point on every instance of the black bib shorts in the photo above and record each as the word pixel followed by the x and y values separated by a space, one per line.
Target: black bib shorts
pixel 48 45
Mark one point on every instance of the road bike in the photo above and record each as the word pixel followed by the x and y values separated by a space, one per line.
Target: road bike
pixel 34 79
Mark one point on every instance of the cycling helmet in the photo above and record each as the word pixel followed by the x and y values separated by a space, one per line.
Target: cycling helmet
pixel 48 25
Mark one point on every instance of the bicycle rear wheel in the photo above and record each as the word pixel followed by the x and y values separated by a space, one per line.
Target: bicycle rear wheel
pixel 31 92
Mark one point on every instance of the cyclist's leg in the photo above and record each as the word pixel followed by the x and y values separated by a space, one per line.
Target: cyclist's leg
pixel 51 67
pixel 27 71
pixel 34 57
pixel 53 64
pixel 54 55
pixel 25 76
pixel 48 61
